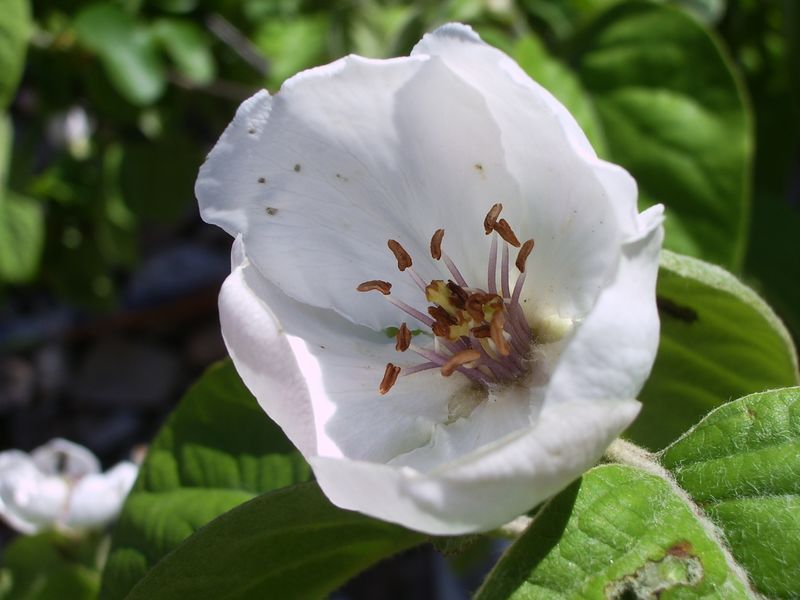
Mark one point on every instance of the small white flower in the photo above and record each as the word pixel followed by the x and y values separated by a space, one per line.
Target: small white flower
pixel 60 486
pixel 530 354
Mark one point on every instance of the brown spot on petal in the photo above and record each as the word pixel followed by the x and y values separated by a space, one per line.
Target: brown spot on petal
pixel 491 218
pixel 504 229
pixel 522 257
pixel 262 180
pixel 461 358
pixel 389 378
pixel 403 338
pixel 384 287
pixel 403 257
pixel 436 244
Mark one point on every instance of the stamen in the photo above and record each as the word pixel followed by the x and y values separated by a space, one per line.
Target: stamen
pixel 504 273
pixel 421 367
pixel 436 244
pixel 454 271
pixel 492 269
pixel 417 279
pixel 410 310
pixel 403 257
pixel 462 358
pixel 491 218
pixel 518 288
pixel 389 378
pixel 504 229
pixel 522 257
pixel 384 287
pixel 498 320
pixel 403 338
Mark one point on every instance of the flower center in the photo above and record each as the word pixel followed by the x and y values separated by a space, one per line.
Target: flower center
pixel 482 334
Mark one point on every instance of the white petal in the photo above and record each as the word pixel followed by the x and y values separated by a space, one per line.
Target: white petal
pixel 576 207
pixel 333 408
pixel 383 151
pixel 488 487
pixel 62 457
pixel 96 499
pixel 29 499
pixel 612 351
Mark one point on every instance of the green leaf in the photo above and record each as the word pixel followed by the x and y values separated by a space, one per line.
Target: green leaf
pixel 21 237
pixel 188 47
pixel 217 450
pixel 673 113
pixel 48 565
pixel 291 46
pixel 6 139
pixel 616 533
pixel 556 77
pixel 290 543
pixel 127 50
pixel 741 464
pixel 719 341
pixel 15 28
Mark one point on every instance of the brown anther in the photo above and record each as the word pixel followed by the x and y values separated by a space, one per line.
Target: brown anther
pixel 384 287
pixel 436 244
pixel 461 358
pixel 440 315
pixel 522 257
pixel 459 295
pixel 474 306
pixel 491 218
pixel 504 229
pixel 481 331
pixel 389 378
pixel 441 329
pixel 403 338
pixel 498 320
pixel 403 257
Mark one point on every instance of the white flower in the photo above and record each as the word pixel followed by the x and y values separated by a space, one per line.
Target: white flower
pixel 315 181
pixel 60 486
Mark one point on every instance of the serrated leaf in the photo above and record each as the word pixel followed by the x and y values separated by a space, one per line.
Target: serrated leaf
pixel 217 450
pixel 15 28
pixel 290 543
pixel 719 341
pixel 741 464
pixel 674 115
pixel 616 533
pixel 127 50
pixel 188 47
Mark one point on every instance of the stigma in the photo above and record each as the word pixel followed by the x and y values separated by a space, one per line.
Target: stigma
pixel 477 331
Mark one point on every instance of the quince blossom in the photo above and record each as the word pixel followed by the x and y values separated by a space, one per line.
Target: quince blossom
pixel 448 201
pixel 60 486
